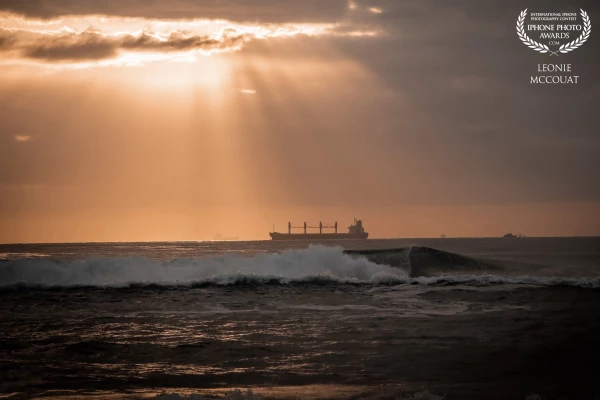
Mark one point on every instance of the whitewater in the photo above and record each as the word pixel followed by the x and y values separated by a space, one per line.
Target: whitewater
pixel 375 319
pixel 315 264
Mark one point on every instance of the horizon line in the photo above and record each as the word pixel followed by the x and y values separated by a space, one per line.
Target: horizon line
pixel 301 241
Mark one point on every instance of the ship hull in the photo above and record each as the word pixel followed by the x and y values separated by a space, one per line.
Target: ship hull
pixel 318 236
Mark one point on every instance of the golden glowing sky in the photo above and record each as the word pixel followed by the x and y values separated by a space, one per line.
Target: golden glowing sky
pixel 175 120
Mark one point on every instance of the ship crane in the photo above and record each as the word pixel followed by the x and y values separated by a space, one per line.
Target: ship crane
pixel 328 226
pixel 305 226
pixel 355 231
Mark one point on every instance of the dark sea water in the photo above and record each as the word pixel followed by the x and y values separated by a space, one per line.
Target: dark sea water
pixel 379 319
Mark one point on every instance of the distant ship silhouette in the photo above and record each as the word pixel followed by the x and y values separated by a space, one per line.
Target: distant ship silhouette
pixel 355 231
pixel 510 235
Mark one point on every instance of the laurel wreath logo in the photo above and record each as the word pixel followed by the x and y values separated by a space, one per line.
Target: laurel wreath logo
pixel 565 48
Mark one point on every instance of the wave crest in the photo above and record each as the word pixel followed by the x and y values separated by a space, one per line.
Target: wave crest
pixel 315 265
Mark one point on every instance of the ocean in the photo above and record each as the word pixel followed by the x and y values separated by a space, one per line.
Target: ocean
pixel 496 318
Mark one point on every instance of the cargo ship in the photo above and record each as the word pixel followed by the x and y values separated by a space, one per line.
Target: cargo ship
pixel 355 231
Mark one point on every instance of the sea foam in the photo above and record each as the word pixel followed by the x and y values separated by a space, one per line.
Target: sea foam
pixel 317 265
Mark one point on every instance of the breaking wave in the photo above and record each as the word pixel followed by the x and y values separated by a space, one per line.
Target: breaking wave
pixel 315 265
pixel 425 261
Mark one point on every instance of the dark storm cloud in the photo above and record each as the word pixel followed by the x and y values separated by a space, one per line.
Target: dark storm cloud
pixel 234 10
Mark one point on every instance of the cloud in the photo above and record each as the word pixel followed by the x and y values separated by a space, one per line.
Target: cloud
pixel 73 40
pixel 71 48
pixel 232 10
pixel 92 45
pixel 177 41
pixel 22 138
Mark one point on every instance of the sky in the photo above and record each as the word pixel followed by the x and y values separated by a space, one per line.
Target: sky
pixel 183 119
